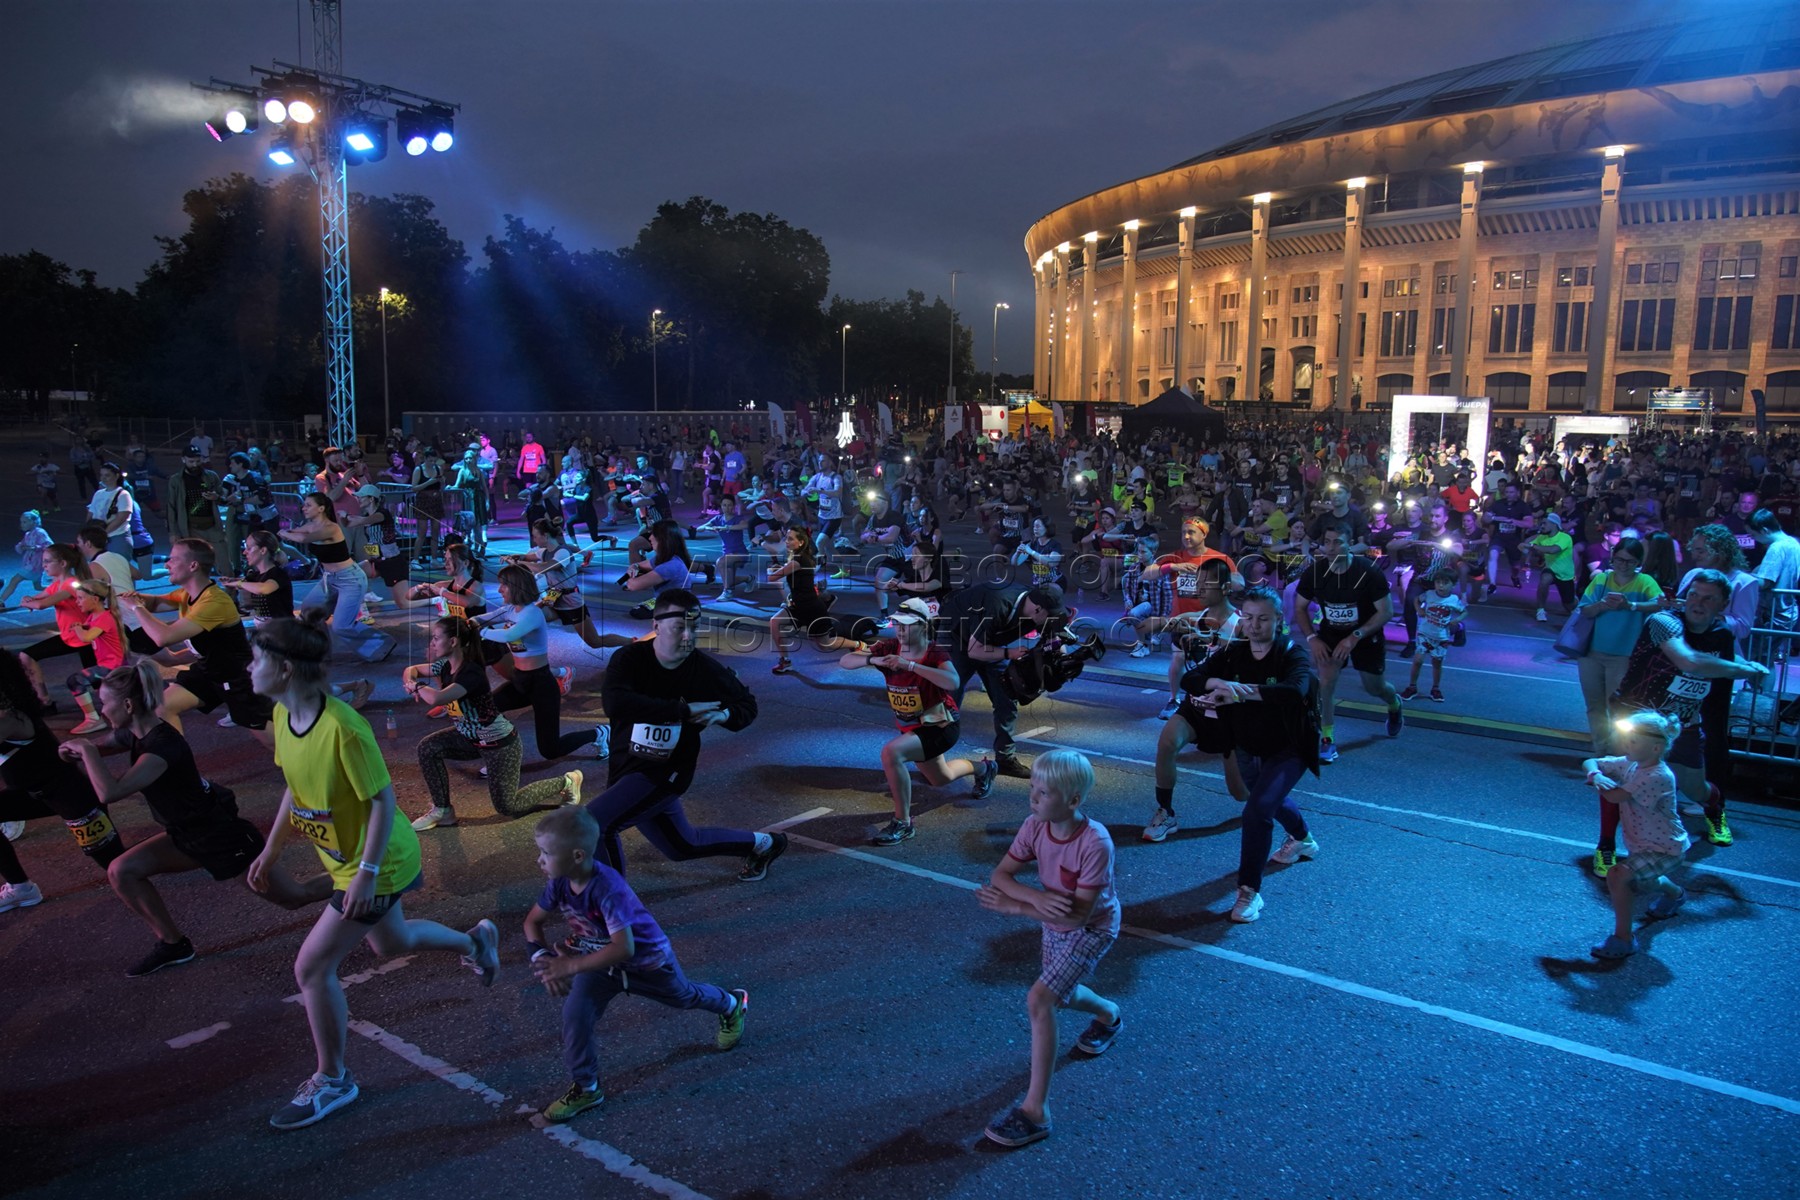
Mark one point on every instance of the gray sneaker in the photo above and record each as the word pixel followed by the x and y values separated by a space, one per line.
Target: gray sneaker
pixel 892 834
pixel 985 774
pixel 485 962
pixel 317 1099
pixel 1162 824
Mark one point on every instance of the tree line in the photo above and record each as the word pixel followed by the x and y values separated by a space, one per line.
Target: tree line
pixel 227 321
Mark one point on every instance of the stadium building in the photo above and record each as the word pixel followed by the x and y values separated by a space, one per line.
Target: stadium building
pixel 1560 231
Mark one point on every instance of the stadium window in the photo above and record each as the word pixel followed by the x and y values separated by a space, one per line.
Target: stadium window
pixel 1653 272
pixel 1581 276
pixel 1399 332
pixel 1747 267
pixel 1634 272
pixel 1785 335
pixel 1722 323
pixel 1788 266
pixel 1531 277
pixel 1511 328
pixel 1728 268
pixel 1269 327
pixel 1569 332
pixel 1168 347
pixel 1709 270
pixel 1443 331
pixel 1228 341
pixel 1646 325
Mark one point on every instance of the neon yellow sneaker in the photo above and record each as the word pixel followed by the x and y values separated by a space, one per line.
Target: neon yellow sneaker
pixel 1603 861
pixel 572 1103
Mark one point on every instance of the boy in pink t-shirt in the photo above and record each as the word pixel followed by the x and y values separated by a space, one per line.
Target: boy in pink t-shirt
pixel 1079 909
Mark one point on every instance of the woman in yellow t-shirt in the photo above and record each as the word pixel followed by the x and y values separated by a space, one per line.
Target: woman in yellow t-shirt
pixel 340 798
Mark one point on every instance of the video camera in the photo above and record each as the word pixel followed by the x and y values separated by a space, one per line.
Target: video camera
pixel 1058 658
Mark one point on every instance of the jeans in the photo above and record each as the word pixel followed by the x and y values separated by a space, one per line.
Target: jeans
pixel 344 590
pixel 502 760
pixel 640 800
pixel 1270 782
pixel 591 991
pixel 1006 709
pixel 1600 676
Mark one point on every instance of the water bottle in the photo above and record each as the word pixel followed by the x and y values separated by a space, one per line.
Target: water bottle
pixel 393 726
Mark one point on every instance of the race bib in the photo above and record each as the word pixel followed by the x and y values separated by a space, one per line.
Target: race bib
pixel 316 827
pixel 654 741
pixel 1187 584
pixel 1689 689
pixel 1011 521
pixel 1040 569
pixel 1340 614
pixel 372 551
pixel 91 830
pixel 905 701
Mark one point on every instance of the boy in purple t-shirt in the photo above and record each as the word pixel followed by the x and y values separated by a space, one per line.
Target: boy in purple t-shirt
pixel 614 945
pixel 1079 910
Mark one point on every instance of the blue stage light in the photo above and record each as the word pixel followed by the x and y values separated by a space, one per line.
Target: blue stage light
pixel 365 138
pixel 442 140
pixel 281 152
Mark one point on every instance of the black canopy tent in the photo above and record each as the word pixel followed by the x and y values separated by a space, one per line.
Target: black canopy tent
pixel 1178 411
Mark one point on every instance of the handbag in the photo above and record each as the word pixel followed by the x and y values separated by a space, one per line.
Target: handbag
pixel 1576 635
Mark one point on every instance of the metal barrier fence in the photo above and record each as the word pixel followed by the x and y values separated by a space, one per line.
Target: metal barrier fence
pixel 400 500
pixel 626 428
pixel 1758 730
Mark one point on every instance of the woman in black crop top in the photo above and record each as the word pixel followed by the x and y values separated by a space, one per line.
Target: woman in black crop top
pixel 345 585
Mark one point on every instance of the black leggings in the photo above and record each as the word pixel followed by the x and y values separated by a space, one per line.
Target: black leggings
pixel 54 647
pixel 640 800
pixel 86 820
pixel 536 689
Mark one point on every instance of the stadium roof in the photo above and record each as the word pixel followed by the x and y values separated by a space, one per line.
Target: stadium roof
pixel 1721 44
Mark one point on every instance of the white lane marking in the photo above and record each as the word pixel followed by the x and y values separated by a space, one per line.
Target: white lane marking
pixel 1472 1020
pixel 613 1160
pixel 1534 1037
pixel 616 1161
pixel 1703 865
pixel 808 815
pixel 384 967
pixel 1031 733
pixel 198 1036
pixel 454 1076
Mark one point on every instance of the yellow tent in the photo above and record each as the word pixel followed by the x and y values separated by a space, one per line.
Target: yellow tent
pixel 1032 413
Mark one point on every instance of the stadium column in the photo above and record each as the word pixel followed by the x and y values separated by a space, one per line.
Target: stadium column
pixel 1090 255
pixel 1465 275
pixel 1184 283
pixel 1124 354
pixel 1059 326
pixel 1354 194
pixel 1259 261
pixel 1600 309
pixel 1040 356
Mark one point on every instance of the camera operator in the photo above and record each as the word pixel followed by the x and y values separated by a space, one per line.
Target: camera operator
pixel 985 627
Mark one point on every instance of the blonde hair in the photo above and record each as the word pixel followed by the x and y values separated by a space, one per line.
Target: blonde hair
pixel 1068 773
pixel 140 681
pixel 1653 723
pixel 101 590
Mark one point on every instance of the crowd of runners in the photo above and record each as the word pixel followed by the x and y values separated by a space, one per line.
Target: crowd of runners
pixel 1262 565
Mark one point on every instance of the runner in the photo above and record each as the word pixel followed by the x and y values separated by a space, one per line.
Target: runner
pixel 661 693
pixel 339 797
pixel 458 680
pixel 1209 629
pixel 1192 596
pixel 804 612
pixel 344 584
pixel 518 627
pixel 201 828
pixel 920 684
pixel 66 568
pixel 1355 606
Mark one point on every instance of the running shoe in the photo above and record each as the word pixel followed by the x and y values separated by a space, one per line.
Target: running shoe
pixel 19 895
pixel 565 678
pixel 1396 720
pixel 1016 1129
pixel 840 573
pixel 1411 693
pixel 1099 1037
pixel 1328 751
pixel 731 1025
pixel 1603 861
pixel 359 692
pixel 603 739
pixel 1542 615
pixel 572 787
pixel 317 1099
pixel 164 955
pixel 572 1103
pixel 225 722
pixel 1437 695
pixel 485 962
pixel 892 834
pixel 1717 831
pixel 1012 768
pixel 1406 650
pixel 1162 824
pixel 1168 710
pixel 435 818
pixel 91 725
pixel 757 865
pixel 1460 636
pixel 1140 651
pixel 1666 906
pixel 1248 907
pixel 1615 947
pixel 985 774
pixel 439 712
pixel 1295 849
pixel 782 667
pixel 12 831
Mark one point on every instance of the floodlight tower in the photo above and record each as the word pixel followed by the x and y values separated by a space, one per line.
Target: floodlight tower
pixel 329 120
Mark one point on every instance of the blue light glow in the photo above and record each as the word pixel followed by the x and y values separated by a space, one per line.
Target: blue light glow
pixel 359 141
pixel 442 140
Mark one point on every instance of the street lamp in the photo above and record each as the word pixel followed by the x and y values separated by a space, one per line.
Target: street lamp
pixel 994 363
pixel 844 363
pixel 950 395
pixel 655 399
pixel 387 416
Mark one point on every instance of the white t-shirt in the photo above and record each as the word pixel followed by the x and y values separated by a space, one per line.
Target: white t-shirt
pixel 1781 567
pixel 1648 819
pixel 830 487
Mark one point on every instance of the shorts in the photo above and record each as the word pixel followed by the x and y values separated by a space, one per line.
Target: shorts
pixel 570 616
pixel 1210 734
pixel 1369 654
pixel 391 570
pixel 731 487
pixel 1011 541
pixel 1647 866
pixel 383 902
pixel 1428 648
pixel 1069 957
pixel 248 710
pixel 1688 750
pixel 224 848
pixel 935 741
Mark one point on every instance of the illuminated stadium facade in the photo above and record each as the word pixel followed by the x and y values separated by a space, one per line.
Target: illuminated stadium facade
pixel 1626 209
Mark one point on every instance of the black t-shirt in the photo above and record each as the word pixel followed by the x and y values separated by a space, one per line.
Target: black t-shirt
pixel 647 705
pixel 1352 522
pixel 477 717
pixel 278 603
pixel 181 799
pixel 1346 600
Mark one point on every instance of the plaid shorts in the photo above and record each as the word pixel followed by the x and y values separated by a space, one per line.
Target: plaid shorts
pixel 1646 865
pixel 1069 957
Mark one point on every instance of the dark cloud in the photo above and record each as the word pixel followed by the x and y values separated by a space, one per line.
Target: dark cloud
pixel 912 137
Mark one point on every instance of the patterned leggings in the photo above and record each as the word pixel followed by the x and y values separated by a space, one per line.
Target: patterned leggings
pixel 502 760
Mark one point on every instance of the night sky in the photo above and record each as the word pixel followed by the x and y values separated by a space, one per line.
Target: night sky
pixel 911 137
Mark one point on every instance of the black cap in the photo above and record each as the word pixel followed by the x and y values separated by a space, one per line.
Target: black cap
pixel 1048 597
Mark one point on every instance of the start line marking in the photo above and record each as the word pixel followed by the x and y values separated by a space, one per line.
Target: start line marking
pixel 1472 1020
